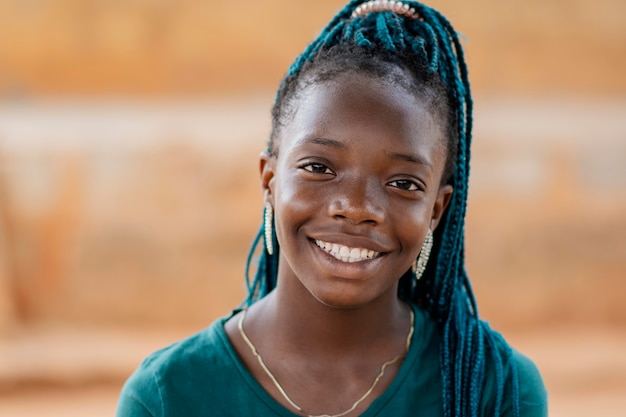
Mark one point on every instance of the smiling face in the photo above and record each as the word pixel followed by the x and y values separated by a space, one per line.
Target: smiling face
pixel 355 187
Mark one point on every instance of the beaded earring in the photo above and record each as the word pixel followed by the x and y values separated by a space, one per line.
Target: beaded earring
pixel 419 266
pixel 269 212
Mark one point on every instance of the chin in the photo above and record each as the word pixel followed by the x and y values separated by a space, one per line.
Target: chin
pixel 340 305
pixel 344 301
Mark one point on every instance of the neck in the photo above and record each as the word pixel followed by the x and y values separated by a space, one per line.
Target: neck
pixel 308 324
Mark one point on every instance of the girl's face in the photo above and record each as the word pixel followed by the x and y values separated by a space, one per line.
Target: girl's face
pixel 355 187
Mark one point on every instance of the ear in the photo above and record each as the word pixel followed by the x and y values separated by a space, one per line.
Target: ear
pixel 267 170
pixel 444 195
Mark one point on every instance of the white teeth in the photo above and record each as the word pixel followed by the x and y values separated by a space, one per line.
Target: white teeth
pixel 345 253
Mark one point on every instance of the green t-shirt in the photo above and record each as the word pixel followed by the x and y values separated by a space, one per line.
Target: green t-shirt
pixel 202 376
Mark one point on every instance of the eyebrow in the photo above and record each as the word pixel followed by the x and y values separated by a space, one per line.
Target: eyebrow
pixel 411 158
pixel 414 159
pixel 327 142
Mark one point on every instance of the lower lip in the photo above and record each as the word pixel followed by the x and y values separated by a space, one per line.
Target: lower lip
pixel 348 270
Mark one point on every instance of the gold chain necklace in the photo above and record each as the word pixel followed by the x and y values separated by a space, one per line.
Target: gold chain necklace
pixel 297 407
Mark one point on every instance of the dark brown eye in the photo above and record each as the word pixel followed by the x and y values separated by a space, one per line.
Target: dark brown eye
pixel 317 168
pixel 405 185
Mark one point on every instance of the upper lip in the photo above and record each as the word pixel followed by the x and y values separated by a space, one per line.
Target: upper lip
pixel 351 241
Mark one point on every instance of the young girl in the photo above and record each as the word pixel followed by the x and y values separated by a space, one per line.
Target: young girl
pixel 361 304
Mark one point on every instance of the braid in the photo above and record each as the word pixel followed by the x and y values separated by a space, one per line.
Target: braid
pixel 429 50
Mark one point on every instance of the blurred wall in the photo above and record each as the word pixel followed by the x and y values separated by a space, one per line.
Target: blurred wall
pixel 130 130
pixel 192 47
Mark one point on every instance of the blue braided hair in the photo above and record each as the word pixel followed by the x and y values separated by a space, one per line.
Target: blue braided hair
pixel 429 50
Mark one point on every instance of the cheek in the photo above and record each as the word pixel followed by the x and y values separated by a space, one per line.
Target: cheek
pixel 410 225
pixel 293 204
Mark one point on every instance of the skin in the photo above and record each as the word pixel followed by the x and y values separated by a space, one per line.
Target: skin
pixel 360 165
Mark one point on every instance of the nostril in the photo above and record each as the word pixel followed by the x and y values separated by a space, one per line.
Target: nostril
pixel 359 216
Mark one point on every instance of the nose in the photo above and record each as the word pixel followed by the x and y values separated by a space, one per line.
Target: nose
pixel 358 201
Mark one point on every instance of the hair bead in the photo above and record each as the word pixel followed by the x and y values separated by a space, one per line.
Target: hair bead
pixel 386 6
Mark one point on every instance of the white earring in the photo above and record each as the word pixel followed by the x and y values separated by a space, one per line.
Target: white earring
pixel 269 211
pixel 419 266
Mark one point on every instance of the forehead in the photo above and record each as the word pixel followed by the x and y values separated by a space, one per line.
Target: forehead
pixel 351 106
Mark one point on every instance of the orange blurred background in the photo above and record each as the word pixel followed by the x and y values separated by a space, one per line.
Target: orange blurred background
pixel 129 193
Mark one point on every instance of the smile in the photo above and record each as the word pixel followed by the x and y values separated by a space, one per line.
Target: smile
pixel 346 253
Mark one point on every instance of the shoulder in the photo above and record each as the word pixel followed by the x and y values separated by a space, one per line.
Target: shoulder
pixel 208 347
pixel 532 391
pixel 521 378
pixel 178 368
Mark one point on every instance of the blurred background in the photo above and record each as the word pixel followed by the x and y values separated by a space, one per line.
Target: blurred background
pixel 129 193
